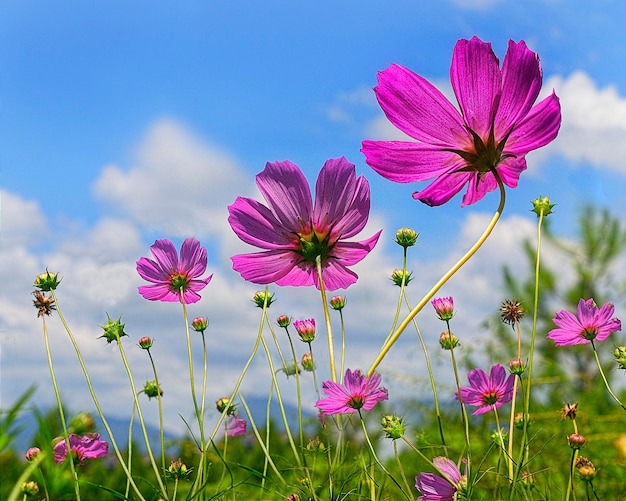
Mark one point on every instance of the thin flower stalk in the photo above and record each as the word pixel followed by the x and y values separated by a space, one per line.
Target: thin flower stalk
pixel 606 383
pixel 298 389
pixel 400 467
pixel 57 395
pixel 513 402
pixel 160 404
pixel 129 460
pixel 329 329
pixel 464 417
pixel 96 402
pixel 449 274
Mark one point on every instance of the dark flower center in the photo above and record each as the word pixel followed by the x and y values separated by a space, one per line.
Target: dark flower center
pixel 179 281
pixel 312 246
pixel 589 333
pixel 490 398
pixel 356 401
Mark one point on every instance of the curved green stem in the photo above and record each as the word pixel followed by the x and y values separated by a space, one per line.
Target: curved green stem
pixel 329 330
pixel 387 346
pixel 606 383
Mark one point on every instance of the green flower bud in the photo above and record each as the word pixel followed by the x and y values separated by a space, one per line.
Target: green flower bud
pixel 47 281
pixel 261 297
pixel 283 321
pixel 393 426
pixel 406 237
pixel 542 206
pixel 152 389
pixel 398 276
pixel 307 362
pixel 337 302
pixel 448 340
pixel 224 404
pixel 199 324
pixel 113 330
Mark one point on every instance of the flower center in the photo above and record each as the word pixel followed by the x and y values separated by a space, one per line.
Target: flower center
pixel 490 398
pixel 313 245
pixel 356 401
pixel 589 333
pixel 179 281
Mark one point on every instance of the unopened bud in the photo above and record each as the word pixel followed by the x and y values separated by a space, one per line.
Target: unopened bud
pixel 224 404
pixel 32 453
pixel 576 441
pixel 47 281
pixel 113 330
pixel 448 340
pixel 585 469
pixel 283 321
pixel 406 237
pixel 393 426
pixel 305 329
pixel 307 362
pixel 444 307
pixel 145 343
pixel 152 389
pixel 337 302
pixel 517 367
pixel 542 206
pixel 199 324
pixel 400 277
pixel 263 299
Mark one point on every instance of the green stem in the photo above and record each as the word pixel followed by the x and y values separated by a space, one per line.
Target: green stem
pixel 606 383
pixel 400 467
pixel 387 346
pixel 464 417
pixel 329 330
pixel 160 402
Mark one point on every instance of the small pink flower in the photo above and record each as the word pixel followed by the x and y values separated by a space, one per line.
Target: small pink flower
pixel 591 324
pixel 235 426
pixel 360 392
pixel 32 453
pixel 444 307
pixel 87 447
pixel 436 488
pixel 495 129
pixel 305 329
pixel 488 393
pixel 171 275
pixel 293 232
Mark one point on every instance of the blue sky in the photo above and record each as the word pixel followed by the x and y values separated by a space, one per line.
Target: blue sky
pixel 130 121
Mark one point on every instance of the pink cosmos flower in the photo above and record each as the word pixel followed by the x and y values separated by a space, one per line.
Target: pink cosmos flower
pixel 292 231
pixel 488 393
pixel 360 392
pixel 592 323
pixel 87 447
pixel 496 128
pixel 235 426
pixel 444 307
pixel 436 488
pixel 170 275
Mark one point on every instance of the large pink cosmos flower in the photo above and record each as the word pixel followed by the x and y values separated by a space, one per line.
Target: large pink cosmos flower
pixel 488 393
pixel 87 447
pixel 360 392
pixel 293 231
pixel 496 128
pixel 436 488
pixel 170 275
pixel 592 323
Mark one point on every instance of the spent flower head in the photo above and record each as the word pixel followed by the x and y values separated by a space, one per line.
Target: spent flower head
pixel 568 411
pixel 406 237
pixel 360 392
pixel 113 329
pixel 44 303
pixel 444 307
pixel 178 470
pixel 294 232
pixel 511 312
pixel 486 142
pixel 488 392
pixel 590 324
pixel 585 469
pixel 173 278
pixel 47 281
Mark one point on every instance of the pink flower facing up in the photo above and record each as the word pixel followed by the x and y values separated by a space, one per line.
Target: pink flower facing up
pixel 592 323
pixel 235 426
pixel 488 393
pixel 436 488
pixel 293 231
pixel 171 275
pixel 87 447
pixel 360 392
pixel 497 126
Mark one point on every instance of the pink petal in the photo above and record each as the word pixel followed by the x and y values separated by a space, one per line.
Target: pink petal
pixel 477 83
pixel 539 127
pixel 151 271
pixel 287 193
pixel 193 258
pixel 158 292
pixel 442 189
pixel 165 254
pixel 265 267
pixel 448 468
pixel 418 108
pixel 350 253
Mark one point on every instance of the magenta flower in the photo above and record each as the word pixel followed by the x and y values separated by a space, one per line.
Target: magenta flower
pixel 87 447
pixel 496 128
pixel 592 323
pixel 305 329
pixel 360 392
pixel 235 426
pixel 444 307
pixel 488 393
pixel 293 231
pixel 436 488
pixel 171 275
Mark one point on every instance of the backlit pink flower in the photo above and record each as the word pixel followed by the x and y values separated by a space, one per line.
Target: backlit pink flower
pixel 293 232
pixel 87 447
pixel 171 275
pixel 436 488
pixel 592 323
pixel 235 426
pixel 497 126
pixel 488 393
pixel 360 392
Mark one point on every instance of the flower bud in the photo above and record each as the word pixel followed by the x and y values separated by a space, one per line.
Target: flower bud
pixel 518 421
pixel 337 302
pixel 82 423
pixel 393 426
pixel 517 367
pixel 47 281
pixel 315 445
pixel 305 329
pixel 113 330
pixel 406 237
pixel 585 469
pixel 576 441
pixel 291 368
pixel 399 276
pixel 178 470
pixel 261 298
pixel 283 321
pixel 542 206
pixel 224 404
pixel 307 362
pixel 448 340
pixel 293 497
pixel 32 453
pixel 199 324
pixel 620 356
pixel 30 488
pixel 152 389
pixel 444 307
pixel 145 343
